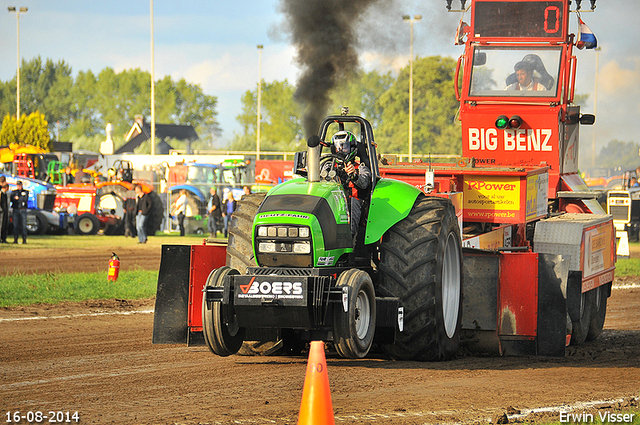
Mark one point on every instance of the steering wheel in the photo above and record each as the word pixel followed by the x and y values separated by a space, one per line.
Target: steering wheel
pixel 337 162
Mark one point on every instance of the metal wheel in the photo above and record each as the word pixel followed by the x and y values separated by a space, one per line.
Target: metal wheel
pixel 451 278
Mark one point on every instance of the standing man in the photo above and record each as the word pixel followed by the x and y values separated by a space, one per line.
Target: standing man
pixel 228 207
pixel 4 210
pixel 19 200
pixel 180 210
pixel 143 206
pixel 213 208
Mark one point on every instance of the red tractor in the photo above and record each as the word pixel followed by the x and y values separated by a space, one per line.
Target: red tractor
pixel 521 197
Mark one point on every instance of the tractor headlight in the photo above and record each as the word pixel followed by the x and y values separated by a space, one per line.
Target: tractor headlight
pixel 267 247
pixel 302 248
pixel 283 232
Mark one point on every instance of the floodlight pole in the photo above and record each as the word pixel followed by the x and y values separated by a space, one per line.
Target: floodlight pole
pixel 259 106
pixel 407 18
pixel 17 12
pixel 153 89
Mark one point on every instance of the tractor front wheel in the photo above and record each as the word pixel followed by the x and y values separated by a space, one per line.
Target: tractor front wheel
pixel 354 320
pixel 87 224
pixel 220 328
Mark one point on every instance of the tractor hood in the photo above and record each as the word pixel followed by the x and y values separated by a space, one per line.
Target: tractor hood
pixel 321 206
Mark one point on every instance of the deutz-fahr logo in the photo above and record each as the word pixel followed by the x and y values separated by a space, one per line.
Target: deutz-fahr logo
pixel 266 289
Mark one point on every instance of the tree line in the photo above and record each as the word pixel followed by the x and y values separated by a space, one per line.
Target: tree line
pixel 77 109
pixel 381 98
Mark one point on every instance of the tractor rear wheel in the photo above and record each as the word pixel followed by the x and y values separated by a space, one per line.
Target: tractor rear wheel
pixel 353 330
pixel 421 263
pixel 240 257
pixel 240 248
pixel 220 329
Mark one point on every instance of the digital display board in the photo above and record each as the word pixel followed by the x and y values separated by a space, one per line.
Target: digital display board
pixel 519 19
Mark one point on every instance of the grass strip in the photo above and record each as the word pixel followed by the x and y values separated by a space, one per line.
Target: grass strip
pixel 52 288
pixel 628 267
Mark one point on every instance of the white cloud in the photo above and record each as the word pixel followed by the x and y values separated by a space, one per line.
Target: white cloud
pixel 620 81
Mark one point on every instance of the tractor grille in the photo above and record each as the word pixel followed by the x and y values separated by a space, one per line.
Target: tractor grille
pixel 266 271
pixel 46 201
pixel 619 212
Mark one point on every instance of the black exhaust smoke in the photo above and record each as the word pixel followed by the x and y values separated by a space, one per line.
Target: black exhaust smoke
pixel 323 32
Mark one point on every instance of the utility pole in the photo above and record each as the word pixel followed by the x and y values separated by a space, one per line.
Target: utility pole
pixel 12 9
pixel 407 18
pixel 260 47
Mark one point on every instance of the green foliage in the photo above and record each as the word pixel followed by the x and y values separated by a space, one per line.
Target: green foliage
pixel 434 110
pixel 29 130
pixel 51 288
pixel 619 154
pixel 628 267
pixel 361 94
pixel 581 99
pixel 9 131
pixel 84 106
pixel 280 128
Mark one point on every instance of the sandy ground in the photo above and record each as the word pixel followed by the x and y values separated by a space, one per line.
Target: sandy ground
pixel 96 358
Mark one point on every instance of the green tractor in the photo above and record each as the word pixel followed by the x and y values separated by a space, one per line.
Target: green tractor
pixel 295 273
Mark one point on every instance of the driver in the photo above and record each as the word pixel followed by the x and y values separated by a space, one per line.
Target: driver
pixel 354 176
pixel 526 80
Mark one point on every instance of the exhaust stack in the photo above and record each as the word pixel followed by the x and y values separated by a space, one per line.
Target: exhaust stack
pixel 313 158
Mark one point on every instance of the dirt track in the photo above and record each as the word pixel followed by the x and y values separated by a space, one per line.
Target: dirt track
pixel 105 368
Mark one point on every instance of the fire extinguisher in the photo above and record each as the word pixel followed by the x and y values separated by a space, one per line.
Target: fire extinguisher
pixel 114 267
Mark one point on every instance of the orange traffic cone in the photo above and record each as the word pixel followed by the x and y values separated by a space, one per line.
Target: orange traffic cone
pixel 316 407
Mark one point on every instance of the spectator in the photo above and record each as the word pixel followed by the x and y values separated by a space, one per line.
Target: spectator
pixel 4 209
pixel 19 199
pixel 67 178
pixel 143 207
pixel 213 208
pixel 180 209
pixel 247 190
pixel 228 207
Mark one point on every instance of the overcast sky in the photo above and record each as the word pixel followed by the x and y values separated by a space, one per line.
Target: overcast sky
pixel 213 44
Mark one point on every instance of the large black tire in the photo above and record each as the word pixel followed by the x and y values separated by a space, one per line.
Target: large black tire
pixel 421 263
pixel 87 224
pixel 221 332
pixel 353 330
pixel 37 225
pixel 240 248
pixel 580 324
pixel 240 257
pixel 599 311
